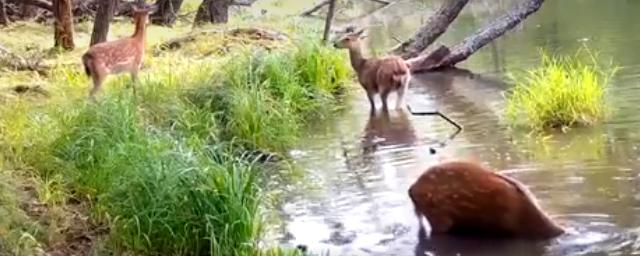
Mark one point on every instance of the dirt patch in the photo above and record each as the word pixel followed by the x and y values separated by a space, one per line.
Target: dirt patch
pixel 70 229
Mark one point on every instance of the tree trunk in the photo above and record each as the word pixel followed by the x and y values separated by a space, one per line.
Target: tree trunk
pixel 473 43
pixel 4 20
pixel 167 10
pixel 327 24
pixel 101 24
pixel 63 24
pixel 214 11
pixel 435 27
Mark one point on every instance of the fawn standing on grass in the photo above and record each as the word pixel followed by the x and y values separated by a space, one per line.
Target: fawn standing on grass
pixel 377 75
pixel 464 197
pixel 124 55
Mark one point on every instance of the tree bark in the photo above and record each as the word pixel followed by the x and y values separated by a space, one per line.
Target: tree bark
pixel 435 27
pixel 167 10
pixel 473 43
pixel 327 24
pixel 213 11
pixel 63 24
pixel 4 20
pixel 103 18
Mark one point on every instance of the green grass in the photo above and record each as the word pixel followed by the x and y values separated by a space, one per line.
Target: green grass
pixel 172 172
pixel 561 92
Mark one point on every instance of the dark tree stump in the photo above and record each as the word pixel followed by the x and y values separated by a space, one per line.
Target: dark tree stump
pixel 167 11
pixel 213 11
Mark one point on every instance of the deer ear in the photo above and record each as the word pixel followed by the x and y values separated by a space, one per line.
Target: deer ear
pixel 135 8
pixel 360 33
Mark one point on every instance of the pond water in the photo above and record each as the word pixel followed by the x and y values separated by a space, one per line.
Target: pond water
pixel 358 168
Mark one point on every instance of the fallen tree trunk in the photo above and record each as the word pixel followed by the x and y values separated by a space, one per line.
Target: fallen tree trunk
pixel 16 62
pixel 436 26
pixel 254 33
pixel 471 44
pixel 40 4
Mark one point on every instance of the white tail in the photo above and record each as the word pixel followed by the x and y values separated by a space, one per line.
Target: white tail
pixel 377 75
pixel 124 55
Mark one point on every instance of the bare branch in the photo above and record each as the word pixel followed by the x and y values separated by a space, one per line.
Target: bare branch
pixel 381 1
pixel 435 27
pixel 315 8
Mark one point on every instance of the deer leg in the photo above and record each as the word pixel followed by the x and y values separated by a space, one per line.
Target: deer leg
pixel 400 103
pixel 134 82
pixel 371 100
pixel 384 96
pixel 439 223
pixel 97 84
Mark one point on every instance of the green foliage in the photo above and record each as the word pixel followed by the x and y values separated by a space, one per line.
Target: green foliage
pixel 561 92
pixel 168 169
pixel 263 99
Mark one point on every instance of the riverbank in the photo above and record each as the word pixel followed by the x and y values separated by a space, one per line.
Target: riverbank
pixel 179 169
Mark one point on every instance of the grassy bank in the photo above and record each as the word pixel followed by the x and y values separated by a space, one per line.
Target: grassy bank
pixel 173 171
pixel 561 92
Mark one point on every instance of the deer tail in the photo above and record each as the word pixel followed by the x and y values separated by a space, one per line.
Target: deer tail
pixel 87 63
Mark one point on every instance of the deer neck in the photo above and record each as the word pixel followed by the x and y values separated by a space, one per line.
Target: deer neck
pixel 139 33
pixel 357 60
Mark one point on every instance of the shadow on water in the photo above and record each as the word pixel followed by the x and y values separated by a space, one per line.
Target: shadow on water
pixel 358 167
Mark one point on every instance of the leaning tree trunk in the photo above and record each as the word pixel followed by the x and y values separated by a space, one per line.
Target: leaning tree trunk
pixel 213 11
pixel 4 20
pixel 101 24
pixel 435 27
pixel 444 57
pixel 63 24
pixel 167 10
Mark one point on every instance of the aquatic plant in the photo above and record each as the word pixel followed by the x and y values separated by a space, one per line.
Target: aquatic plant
pixel 560 92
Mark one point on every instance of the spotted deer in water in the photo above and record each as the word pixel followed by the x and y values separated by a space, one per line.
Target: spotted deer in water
pixel 123 55
pixel 463 197
pixel 376 75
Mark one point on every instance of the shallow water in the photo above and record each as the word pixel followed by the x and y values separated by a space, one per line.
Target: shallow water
pixel 358 169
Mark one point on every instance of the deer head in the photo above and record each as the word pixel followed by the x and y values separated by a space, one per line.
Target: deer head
pixel 141 12
pixel 351 40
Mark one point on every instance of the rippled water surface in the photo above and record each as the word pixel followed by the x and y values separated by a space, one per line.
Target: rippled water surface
pixel 358 167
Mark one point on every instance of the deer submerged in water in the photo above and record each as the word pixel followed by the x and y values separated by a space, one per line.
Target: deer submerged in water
pixel 376 75
pixel 123 55
pixel 462 197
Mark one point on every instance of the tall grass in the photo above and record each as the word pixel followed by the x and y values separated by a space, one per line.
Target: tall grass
pixel 561 92
pixel 263 99
pixel 169 171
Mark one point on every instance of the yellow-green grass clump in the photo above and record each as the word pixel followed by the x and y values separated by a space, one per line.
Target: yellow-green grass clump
pixel 561 92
